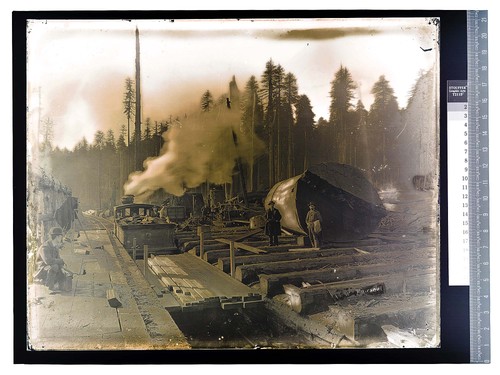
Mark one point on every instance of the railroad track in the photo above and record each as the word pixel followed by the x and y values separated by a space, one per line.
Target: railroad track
pixel 90 222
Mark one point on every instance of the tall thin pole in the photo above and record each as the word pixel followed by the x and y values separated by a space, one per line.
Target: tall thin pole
pixel 37 143
pixel 138 163
pixel 253 131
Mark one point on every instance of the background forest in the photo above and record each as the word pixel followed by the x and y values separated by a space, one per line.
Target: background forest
pixel 388 143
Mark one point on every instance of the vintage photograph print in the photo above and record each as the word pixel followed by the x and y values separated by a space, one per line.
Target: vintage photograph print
pixel 233 183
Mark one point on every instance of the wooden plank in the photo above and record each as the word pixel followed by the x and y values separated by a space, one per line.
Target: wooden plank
pixel 163 276
pixel 113 298
pixel 243 246
pixel 168 282
pixel 203 285
pixel 193 235
pixel 247 235
pixel 197 289
pixel 231 305
pixel 232 264
pixel 206 275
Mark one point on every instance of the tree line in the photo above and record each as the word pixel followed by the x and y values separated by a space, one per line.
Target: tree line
pixel 272 109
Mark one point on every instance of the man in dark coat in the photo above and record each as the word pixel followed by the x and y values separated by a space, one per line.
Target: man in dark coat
pixel 273 226
pixel 66 214
pixel 48 261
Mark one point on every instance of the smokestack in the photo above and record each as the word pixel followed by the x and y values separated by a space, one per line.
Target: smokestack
pixel 138 164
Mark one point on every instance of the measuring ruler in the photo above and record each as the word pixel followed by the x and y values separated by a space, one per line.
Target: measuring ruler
pixel 468 185
pixel 478 185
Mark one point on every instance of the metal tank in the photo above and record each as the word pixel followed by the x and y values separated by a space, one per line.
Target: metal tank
pixel 349 204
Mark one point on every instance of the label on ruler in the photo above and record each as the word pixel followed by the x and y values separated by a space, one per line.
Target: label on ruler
pixel 458 183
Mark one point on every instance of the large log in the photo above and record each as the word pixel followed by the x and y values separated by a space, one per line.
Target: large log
pixel 188 245
pixel 349 204
pixel 214 246
pixel 223 263
pixel 271 285
pixel 248 273
pixel 304 300
pixel 280 314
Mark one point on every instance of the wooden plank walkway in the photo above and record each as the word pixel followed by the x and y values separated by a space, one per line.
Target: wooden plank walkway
pixel 197 285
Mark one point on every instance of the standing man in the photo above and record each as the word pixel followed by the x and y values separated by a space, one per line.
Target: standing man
pixel 273 225
pixel 49 263
pixel 314 221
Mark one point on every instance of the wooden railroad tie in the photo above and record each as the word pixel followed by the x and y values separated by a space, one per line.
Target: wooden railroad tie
pixel 113 299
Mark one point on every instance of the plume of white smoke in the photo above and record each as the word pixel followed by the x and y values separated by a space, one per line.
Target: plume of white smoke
pixel 197 149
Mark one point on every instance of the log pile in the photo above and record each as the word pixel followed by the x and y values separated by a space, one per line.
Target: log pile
pixel 389 278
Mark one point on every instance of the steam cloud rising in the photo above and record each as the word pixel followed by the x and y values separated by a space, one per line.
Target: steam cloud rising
pixel 197 149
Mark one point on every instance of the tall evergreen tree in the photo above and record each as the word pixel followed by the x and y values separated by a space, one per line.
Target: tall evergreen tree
pixel 268 79
pixel 147 129
pixel 47 132
pixel 341 94
pixel 290 98
pixel 279 128
pixel 322 139
pixel 303 134
pixel 99 140
pixel 110 142
pixel 252 118
pixel 417 144
pixel 120 143
pixel 384 120
pixel 234 93
pixel 207 101
pixel 129 104
pixel 361 146
pixel 121 148
pixel 81 146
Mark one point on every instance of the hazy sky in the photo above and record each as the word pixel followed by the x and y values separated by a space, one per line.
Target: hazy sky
pixel 76 69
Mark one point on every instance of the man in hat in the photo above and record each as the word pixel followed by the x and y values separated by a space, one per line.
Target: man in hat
pixel 273 225
pixel 314 221
pixel 48 261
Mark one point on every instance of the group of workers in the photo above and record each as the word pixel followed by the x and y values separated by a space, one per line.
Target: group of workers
pixel 313 221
